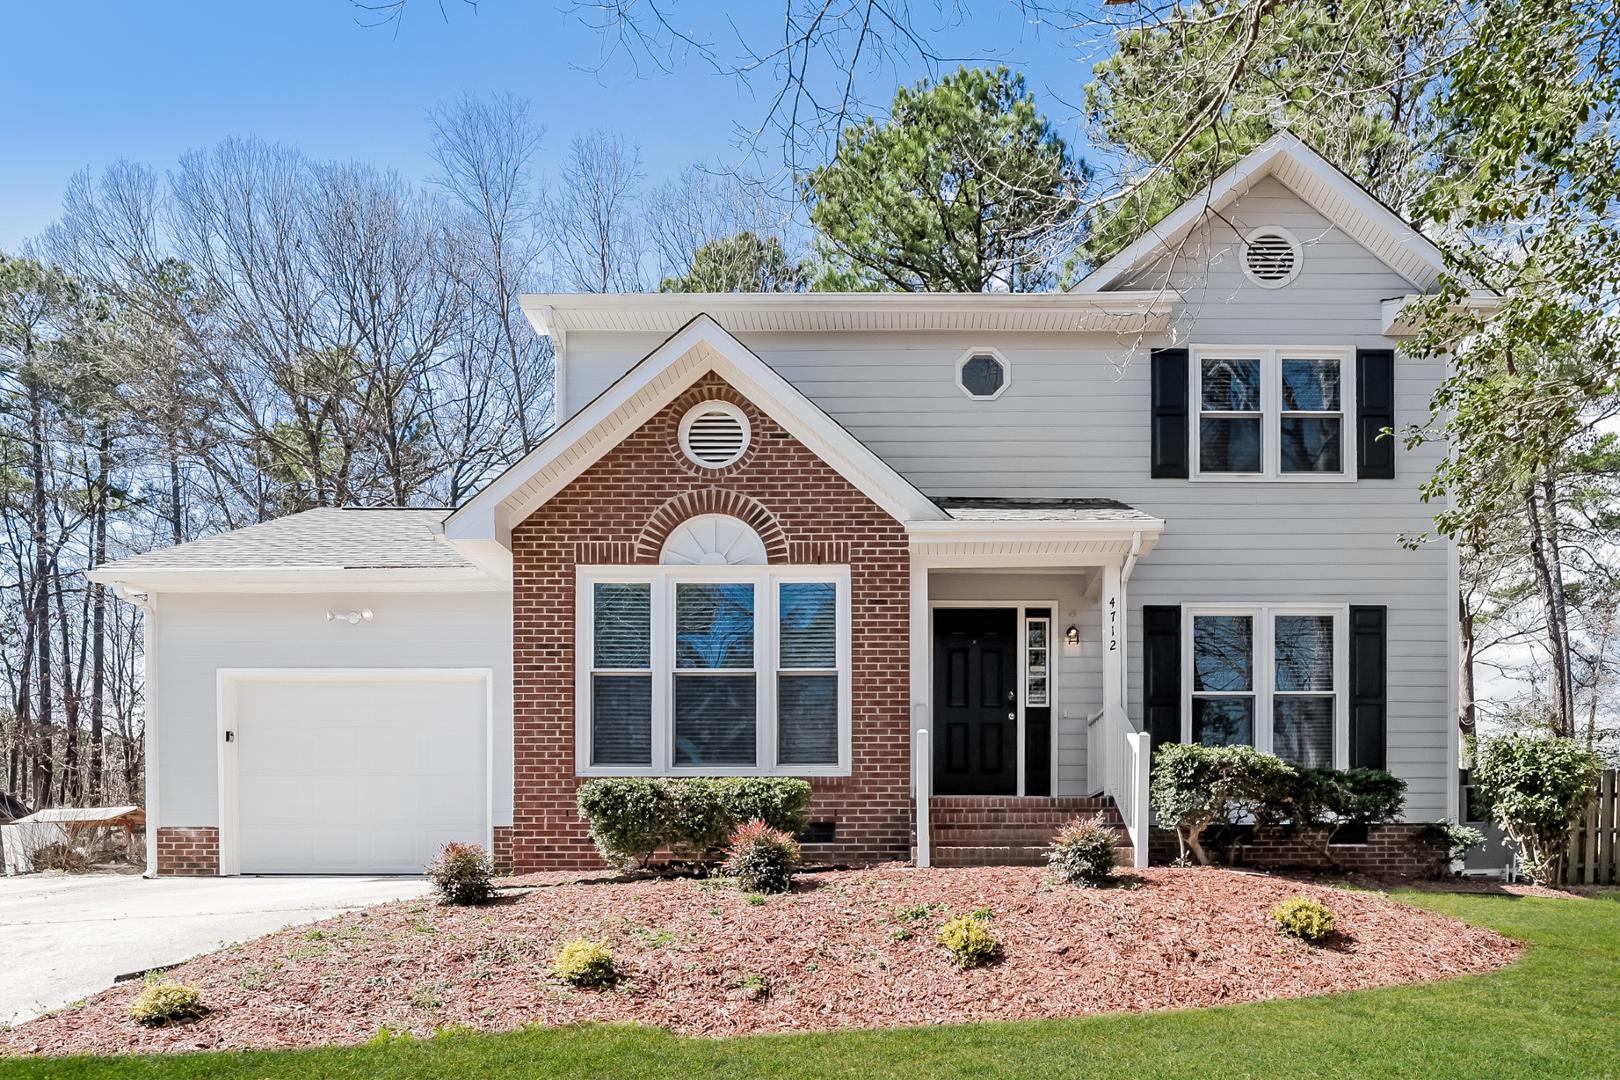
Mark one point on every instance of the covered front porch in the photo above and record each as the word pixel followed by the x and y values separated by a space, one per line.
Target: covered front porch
pixel 1018 676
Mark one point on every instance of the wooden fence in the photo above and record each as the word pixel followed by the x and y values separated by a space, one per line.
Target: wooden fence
pixel 1592 857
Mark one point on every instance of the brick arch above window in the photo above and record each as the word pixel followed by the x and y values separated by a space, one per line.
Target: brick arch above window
pixel 709 389
pixel 711 500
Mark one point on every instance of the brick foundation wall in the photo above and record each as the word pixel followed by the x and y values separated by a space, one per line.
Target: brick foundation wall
pixel 188 851
pixel 1390 851
pixel 619 511
pixel 502 855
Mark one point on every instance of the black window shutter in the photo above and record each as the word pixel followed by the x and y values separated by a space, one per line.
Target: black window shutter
pixel 1375 411
pixel 1170 428
pixel 1369 686
pixel 1161 672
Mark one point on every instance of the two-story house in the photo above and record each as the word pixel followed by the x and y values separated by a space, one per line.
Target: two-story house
pixel 960 560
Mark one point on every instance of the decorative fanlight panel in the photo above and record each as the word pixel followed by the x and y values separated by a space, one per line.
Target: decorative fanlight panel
pixel 713 540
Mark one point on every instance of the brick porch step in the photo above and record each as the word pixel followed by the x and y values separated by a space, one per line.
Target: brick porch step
pixel 999 830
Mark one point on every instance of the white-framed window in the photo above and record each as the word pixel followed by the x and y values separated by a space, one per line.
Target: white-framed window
pixel 1037 662
pixel 1268 413
pixel 983 374
pixel 712 670
pixel 1271 676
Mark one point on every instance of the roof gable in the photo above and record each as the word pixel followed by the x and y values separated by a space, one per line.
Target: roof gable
pixel 1317 181
pixel 701 346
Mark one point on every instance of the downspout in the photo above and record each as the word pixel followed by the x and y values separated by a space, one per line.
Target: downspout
pixel 148 606
pixel 1130 560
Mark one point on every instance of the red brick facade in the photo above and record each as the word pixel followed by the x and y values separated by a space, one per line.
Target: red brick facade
pixel 188 852
pixel 1389 851
pixel 619 511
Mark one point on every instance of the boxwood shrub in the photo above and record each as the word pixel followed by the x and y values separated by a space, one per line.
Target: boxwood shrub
pixel 630 818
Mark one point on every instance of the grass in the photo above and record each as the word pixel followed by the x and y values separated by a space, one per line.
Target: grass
pixel 1554 1013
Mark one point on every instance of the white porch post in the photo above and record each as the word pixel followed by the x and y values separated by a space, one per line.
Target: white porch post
pixel 1112 610
pixel 921 681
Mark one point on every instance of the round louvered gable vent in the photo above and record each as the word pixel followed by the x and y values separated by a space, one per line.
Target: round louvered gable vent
pixel 1271 257
pixel 714 434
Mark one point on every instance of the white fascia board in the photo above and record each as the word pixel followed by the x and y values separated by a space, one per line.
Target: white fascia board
pixel 1393 311
pixel 1143 535
pixel 283 579
pixel 1259 163
pixel 625 405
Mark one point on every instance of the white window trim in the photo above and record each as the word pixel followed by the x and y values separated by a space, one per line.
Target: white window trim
pixel 1030 622
pixel 1265 669
pixel 1271 412
pixel 1006 372
pixel 663 580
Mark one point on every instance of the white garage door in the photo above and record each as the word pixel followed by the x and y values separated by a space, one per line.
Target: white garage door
pixel 358 775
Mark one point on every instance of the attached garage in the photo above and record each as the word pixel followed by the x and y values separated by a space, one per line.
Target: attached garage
pixel 351 771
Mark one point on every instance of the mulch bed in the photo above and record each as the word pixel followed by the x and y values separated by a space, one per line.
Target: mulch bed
pixel 846 949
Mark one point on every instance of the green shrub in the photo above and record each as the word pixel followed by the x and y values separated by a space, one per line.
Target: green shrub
pixel 1536 787
pixel 763 859
pixel 1305 919
pixel 631 818
pixel 1449 841
pixel 969 940
pixel 583 962
pixel 1083 853
pixel 162 1003
pixel 1194 787
pixel 1329 799
pixel 462 874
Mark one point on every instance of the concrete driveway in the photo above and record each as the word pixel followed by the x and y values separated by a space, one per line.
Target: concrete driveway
pixel 63 938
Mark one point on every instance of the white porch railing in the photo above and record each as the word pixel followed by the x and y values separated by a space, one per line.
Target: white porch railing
pixel 1125 772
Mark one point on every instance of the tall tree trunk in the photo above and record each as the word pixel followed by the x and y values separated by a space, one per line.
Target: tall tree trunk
pixel 43 716
pixel 98 617
pixel 70 698
pixel 1555 566
pixel 1467 713
pixel 1553 610
pixel 176 512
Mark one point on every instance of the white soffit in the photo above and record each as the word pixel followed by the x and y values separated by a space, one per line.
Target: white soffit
pixel 1314 179
pixel 1116 312
pixel 666 372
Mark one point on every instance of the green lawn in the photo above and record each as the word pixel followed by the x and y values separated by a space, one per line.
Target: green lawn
pixel 1554 1013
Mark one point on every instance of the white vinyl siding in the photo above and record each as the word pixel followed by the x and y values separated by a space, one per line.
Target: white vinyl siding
pixel 1075 423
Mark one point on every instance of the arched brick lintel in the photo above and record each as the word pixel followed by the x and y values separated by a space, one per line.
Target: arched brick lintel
pixel 711 500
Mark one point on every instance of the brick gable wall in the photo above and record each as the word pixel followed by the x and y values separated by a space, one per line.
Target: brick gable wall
pixel 619 511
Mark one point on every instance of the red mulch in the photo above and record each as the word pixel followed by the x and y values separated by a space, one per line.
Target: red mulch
pixel 829 954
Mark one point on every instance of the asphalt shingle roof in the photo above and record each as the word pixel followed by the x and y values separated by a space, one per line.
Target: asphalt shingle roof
pixel 350 538
pixel 997 509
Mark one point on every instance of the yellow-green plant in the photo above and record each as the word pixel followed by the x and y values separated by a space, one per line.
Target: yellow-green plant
pixel 1305 919
pixel 583 962
pixel 969 940
pixel 162 1003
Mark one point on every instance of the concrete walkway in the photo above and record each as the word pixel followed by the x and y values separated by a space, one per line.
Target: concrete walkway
pixel 63 938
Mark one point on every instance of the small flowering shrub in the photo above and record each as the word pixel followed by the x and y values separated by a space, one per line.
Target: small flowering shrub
pixel 1304 919
pixel 462 874
pixel 969 940
pixel 163 1003
pixel 1083 853
pixel 583 962
pixel 762 859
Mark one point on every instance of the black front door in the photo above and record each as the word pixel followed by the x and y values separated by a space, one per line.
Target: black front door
pixel 976 701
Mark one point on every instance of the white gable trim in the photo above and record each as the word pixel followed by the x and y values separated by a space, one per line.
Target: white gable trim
pixel 666 372
pixel 1314 179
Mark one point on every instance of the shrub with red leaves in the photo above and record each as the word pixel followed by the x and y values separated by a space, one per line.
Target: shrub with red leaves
pixel 762 859
pixel 462 874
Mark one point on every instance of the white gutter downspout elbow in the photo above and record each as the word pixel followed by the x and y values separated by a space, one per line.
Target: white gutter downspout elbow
pixel 1130 560
pixel 148 606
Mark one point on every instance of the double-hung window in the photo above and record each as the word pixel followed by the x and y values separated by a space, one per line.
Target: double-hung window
pixel 713 670
pixel 1272 413
pixel 1269 676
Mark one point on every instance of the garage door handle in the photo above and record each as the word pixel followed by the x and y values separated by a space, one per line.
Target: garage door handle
pixel 230 736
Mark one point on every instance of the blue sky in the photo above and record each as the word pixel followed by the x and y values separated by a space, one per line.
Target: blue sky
pixel 96 81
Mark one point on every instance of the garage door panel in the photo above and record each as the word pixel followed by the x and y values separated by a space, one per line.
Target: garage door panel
pixel 358 775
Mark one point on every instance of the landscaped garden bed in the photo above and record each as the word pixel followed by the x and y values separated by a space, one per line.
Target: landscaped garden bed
pixel 844 949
